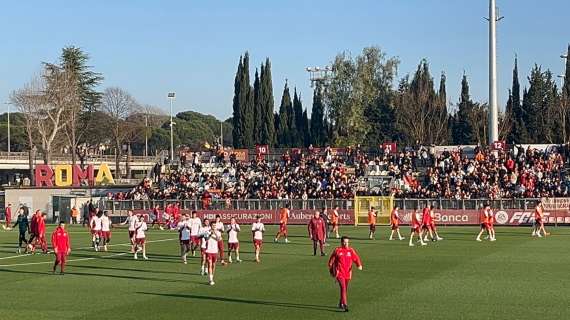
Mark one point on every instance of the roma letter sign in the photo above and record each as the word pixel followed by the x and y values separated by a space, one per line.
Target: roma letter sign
pixel 66 175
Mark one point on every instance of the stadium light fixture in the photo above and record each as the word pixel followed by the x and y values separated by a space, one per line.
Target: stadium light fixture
pixel 171 96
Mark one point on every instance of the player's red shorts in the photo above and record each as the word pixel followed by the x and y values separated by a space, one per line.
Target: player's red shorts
pixel 131 234
pixel 96 232
pixel 185 242
pixel 283 228
pixel 233 246
pixel 202 251
pixel 257 243
pixel 484 225
pixel 221 246
pixel 139 240
pixel 106 235
pixel 426 226
pixel 395 226
pixel 334 224
pixel 416 229
pixel 432 225
pixel 539 220
pixel 212 257
pixel 373 227
pixel 195 240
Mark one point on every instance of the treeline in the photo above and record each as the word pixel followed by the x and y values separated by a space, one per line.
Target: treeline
pixel 364 103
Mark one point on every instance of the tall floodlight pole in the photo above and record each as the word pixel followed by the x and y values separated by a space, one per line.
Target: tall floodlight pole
pixel 171 96
pixel 493 99
pixel 8 104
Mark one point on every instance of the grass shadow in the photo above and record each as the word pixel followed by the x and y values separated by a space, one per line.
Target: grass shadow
pixel 244 301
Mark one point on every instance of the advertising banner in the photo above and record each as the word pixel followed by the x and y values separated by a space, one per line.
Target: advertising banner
pixel 301 217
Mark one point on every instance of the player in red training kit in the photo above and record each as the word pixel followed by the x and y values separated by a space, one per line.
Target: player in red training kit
pixel 42 233
pixel 426 224
pixel 340 267
pixel 317 232
pixel 416 228
pixel 61 246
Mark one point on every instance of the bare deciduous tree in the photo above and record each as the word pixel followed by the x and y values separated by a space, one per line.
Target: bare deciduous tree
pixel 119 105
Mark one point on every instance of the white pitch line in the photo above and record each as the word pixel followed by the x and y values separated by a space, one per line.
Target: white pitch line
pixel 83 248
pixel 51 262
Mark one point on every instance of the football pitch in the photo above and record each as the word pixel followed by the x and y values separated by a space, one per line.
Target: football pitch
pixel 516 277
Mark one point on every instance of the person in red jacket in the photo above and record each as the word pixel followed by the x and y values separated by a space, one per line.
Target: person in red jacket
pixel 317 232
pixel 61 246
pixel 42 232
pixel 340 267
pixel 8 217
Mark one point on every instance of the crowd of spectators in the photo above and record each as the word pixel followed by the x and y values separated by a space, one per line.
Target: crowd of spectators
pixel 412 173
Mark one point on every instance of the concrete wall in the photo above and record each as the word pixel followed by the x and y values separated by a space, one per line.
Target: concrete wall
pixel 42 198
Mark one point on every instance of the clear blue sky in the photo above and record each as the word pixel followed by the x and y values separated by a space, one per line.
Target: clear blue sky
pixel 192 47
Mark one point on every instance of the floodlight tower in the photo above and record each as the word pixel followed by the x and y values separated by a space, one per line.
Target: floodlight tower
pixel 171 96
pixel 320 75
pixel 493 99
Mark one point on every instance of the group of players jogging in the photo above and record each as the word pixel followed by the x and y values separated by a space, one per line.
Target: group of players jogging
pixel 207 236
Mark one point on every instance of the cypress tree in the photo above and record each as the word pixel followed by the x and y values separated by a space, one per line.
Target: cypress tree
pixel 258 112
pixel 247 106
pixel 318 126
pixel 298 113
pixel 518 132
pixel 463 131
pixel 305 129
pixel 442 104
pixel 267 106
pixel 237 132
pixel 285 109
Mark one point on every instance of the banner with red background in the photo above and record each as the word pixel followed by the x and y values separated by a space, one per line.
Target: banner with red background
pixel 346 217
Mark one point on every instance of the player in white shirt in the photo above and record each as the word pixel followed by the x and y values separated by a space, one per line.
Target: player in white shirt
pixel 212 251
pixel 184 235
pixel 131 221
pixel 233 241
pixel 257 229
pixel 105 229
pixel 204 234
pixel 195 225
pixel 140 236
pixel 219 226
pixel 96 231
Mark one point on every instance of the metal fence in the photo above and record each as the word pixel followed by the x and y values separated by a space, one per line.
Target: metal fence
pixel 315 204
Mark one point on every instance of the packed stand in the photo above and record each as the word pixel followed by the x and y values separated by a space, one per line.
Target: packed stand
pixel 413 173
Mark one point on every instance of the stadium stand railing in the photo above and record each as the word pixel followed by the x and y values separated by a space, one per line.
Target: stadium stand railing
pixel 316 204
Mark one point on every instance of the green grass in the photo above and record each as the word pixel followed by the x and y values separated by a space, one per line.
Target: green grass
pixel 517 277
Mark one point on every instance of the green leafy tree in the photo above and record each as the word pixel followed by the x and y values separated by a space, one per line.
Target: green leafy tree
pixel 540 104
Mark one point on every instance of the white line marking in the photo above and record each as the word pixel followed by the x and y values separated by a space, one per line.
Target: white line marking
pixel 51 262
pixel 82 248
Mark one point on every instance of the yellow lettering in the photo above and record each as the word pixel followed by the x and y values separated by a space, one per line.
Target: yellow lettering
pixel 104 175
pixel 58 172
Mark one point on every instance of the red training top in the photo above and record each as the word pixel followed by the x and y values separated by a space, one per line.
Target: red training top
pixel 340 262
pixel 60 240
